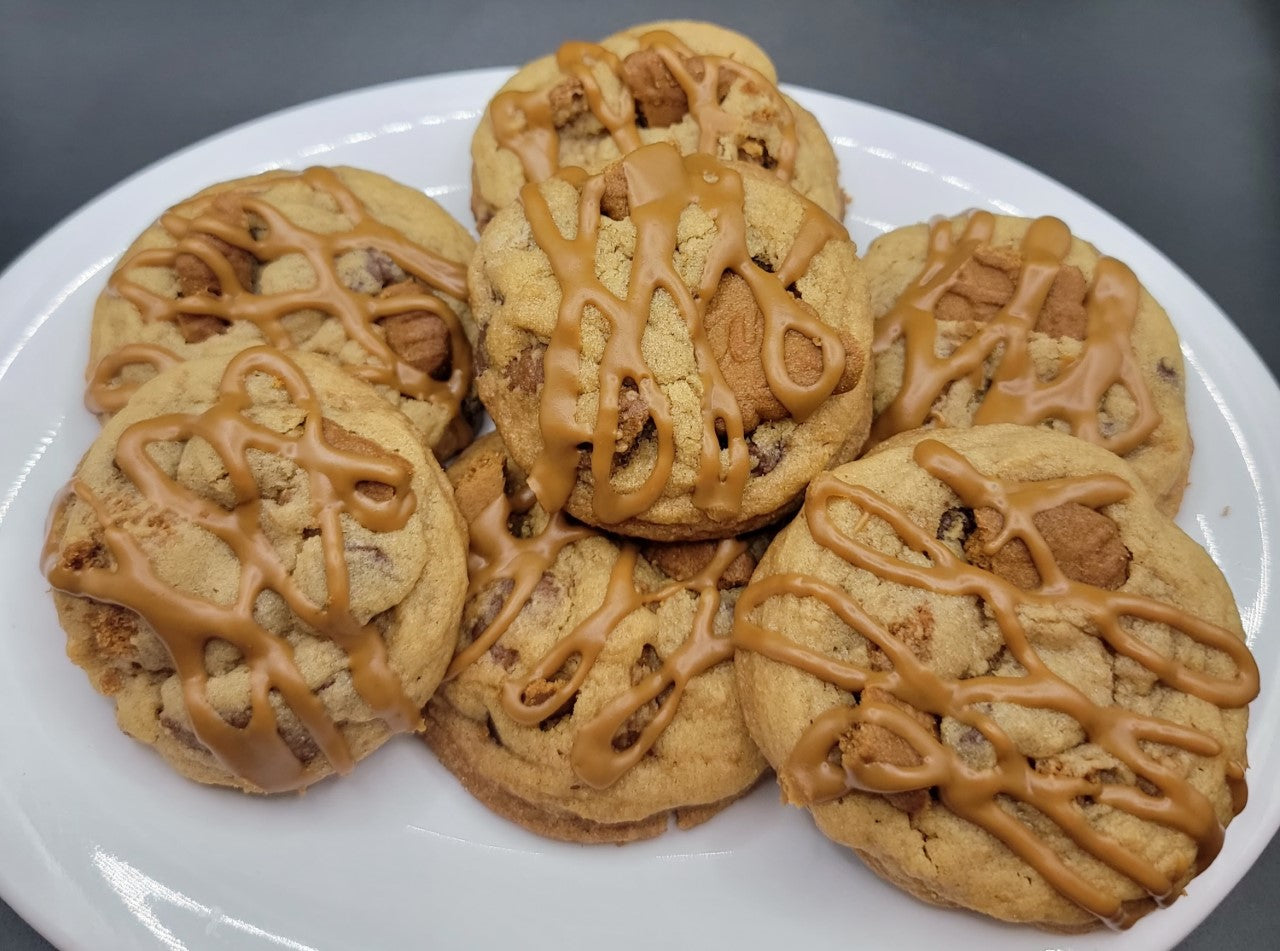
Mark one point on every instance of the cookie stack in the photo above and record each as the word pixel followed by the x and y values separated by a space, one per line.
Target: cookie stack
pixel 259 559
pixel 982 654
pixel 670 346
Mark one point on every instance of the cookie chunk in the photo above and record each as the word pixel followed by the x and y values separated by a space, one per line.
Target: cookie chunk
pixel 592 696
pixel 696 85
pixel 340 262
pixel 672 348
pixel 262 567
pixel 989 319
pixel 988 664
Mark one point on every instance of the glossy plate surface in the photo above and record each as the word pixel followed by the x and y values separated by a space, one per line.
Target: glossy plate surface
pixel 102 846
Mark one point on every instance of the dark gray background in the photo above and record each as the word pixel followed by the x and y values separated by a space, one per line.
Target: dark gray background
pixel 1165 114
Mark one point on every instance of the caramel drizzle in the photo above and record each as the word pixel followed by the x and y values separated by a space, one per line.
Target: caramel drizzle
pixel 102 396
pixel 523 122
pixel 661 184
pixel 497 554
pixel 1015 394
pixel 279 236
pixel 185 622
pixel 972 793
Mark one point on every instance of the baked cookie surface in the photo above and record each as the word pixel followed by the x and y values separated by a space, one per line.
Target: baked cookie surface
pixel 261 565
pixel 698 86
pixel 986 662
pixel 592 697
pixel 993 319
pixel 336 261
pixel 673 348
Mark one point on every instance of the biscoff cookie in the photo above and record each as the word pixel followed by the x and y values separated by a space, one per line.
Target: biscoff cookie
pixel 261 565
pixel 672 348
pixel 336 261
pixel 592 697
pixel 699 86
pixel 992 319
pixel 987 663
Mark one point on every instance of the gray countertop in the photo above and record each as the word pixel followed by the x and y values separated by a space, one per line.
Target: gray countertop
pixel 1165 114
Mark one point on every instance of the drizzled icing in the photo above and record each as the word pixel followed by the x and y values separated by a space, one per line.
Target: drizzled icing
pixel 498 554
pixel 975 793
pixel 1015 394
pixel 273 236
pixel 661 185
pixel 104 396
pixel 524 124
pixel 186 622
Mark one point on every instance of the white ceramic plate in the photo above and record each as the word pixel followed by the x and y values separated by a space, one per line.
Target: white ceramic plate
pixel 101 845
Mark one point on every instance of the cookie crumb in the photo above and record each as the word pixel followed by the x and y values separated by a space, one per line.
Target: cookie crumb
pixel 633 414
pixel 614 202
pixel 568 101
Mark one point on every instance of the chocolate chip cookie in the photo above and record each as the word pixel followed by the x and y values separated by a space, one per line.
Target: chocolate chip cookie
pixel 991 319
pixel 262 567
pixel 696 85
pixel 592 696
pixel 987 663
pixel 338 261
pixel 672 348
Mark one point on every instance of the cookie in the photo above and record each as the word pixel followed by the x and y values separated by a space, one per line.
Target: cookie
pixel 990 319
pixel 339 261
pixel 261 565
pixel 988 664
pixel 696 85
pixel 592 696
pixel 672 348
